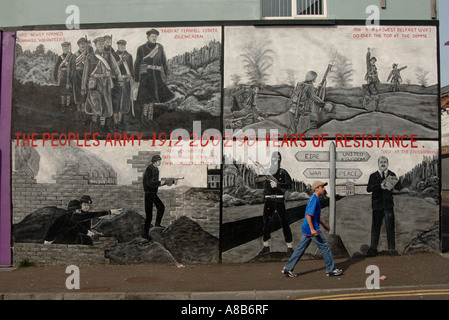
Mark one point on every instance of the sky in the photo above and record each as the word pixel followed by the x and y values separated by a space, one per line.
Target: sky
pixel 444 37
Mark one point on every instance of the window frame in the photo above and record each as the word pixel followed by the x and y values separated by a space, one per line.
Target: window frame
pixel 298 16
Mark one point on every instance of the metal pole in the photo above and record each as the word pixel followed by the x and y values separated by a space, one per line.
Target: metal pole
pixel 331 189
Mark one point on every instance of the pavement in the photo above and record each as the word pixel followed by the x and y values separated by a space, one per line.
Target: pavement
pixel 239 281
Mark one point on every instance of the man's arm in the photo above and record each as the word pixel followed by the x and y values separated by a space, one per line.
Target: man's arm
pixel 325 226
pixel 137 63
pixel 373 183
pixel 312 229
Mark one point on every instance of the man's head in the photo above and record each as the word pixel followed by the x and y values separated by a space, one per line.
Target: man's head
pixel 318 187
pixel 121 45
pixel 85 201
pixel 82 44
pixel 156 160
pixel 107 41
pixel 73 206
pixel 65 47
pixel 152 35
pixel 99 44
pixel 311 76
pixel 276 158
pixel 255 88
pixel 382 163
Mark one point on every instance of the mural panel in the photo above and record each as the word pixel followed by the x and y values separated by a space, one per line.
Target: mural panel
pixel 336 80
pixel 116 142
pixel 372 215
pixel 106 81
pixel 150 204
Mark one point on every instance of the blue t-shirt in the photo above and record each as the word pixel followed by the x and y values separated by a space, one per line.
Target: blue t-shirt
pixel 313 209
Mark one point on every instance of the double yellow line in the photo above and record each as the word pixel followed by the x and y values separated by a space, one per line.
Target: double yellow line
pixel 380 295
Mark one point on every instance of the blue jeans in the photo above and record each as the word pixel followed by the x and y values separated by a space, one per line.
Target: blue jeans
pixel 304 243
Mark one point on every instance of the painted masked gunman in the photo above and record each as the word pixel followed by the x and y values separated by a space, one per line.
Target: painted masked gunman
pixel 277 183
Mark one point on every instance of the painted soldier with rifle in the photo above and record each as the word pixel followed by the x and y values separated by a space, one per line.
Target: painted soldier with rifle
pixel 126 103
pixel 307 101
pixel 60 75
pixel 75 76
pixel 97 83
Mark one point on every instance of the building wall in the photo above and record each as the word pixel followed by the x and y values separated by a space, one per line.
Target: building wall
pixel 53 12
pixel 28 195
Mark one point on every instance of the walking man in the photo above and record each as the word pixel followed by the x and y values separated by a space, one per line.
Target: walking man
pixel 381 183
pixel 311 232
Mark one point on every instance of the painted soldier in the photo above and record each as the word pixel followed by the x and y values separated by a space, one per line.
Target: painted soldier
pixel 150 69
pixel 244 107
pixel 125 63
pixel 60 75
pixel 76 67
pixel 97 83
pixel 395 76
pixel 305 101
pixel 108 43
pixel 372 79
pixel 74 226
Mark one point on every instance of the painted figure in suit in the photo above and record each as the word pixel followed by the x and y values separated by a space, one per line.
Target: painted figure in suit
pixel 381 184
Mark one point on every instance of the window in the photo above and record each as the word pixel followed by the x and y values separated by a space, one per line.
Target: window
pixel 298 9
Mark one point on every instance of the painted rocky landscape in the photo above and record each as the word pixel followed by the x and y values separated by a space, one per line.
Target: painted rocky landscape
pixel 413 111
pixel 181 242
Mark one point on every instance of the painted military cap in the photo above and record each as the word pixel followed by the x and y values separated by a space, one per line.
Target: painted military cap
pixel 86 199
pixel 123 42
pixel 152 31
pixel 99 39
pixel 156 158
pixel 65 44
pixel 81 40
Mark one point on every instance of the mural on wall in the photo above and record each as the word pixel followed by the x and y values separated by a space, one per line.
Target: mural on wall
pixel 359 81
pixel 78 196
pixel 261 220
pixel 95 155
pixel 133 80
